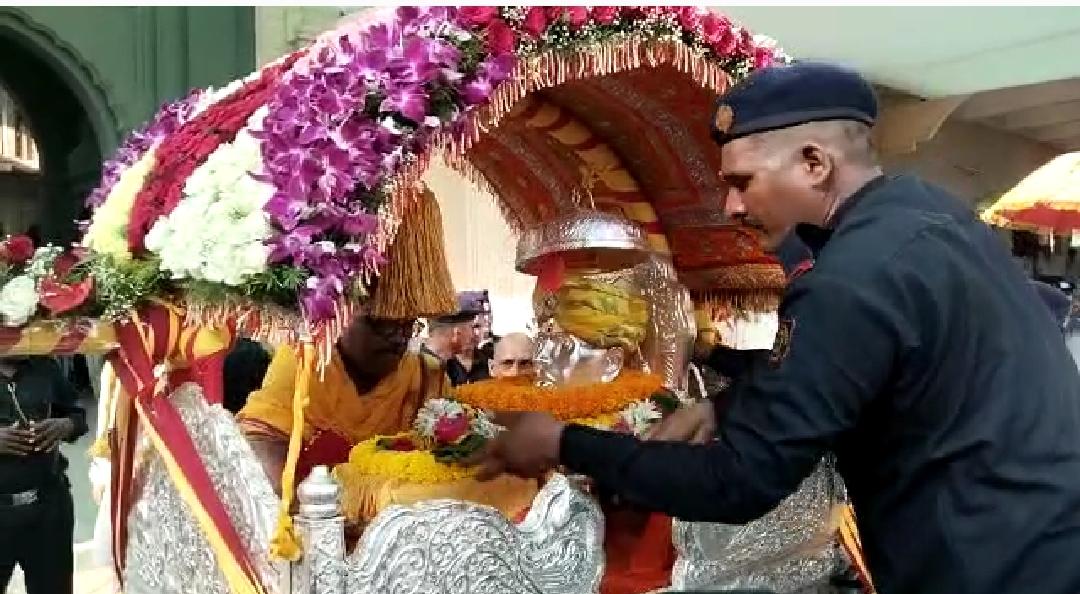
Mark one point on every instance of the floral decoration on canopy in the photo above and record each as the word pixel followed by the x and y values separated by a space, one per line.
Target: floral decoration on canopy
pixel 283 189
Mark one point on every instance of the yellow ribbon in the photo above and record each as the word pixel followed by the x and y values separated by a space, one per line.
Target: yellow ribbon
pixel 285 544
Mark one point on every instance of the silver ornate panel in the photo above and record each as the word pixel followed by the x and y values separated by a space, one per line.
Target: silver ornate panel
pixel 452 547
pixel 167 551
pixel 791 549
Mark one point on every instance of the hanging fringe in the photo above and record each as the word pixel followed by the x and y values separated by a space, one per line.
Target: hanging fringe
pixel 549 69
pixel 723 305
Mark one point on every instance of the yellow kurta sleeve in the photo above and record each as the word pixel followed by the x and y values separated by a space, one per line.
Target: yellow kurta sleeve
pixel 270 407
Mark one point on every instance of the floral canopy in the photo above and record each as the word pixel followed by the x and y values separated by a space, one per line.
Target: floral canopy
pixel 278 193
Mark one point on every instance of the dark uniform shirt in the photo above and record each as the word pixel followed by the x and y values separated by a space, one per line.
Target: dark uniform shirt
pixel 460 376
pixel 918 352
pixel 42 391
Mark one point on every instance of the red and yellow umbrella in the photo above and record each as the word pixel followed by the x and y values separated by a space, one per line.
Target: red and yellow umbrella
pixel 1046 201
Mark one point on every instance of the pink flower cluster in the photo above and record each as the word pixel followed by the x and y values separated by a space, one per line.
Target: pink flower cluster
pixel 708 28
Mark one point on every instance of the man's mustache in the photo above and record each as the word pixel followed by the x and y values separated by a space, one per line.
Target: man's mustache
pixel 749 222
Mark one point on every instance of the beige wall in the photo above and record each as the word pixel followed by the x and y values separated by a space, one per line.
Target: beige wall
pixel 974 161
pixel 480 248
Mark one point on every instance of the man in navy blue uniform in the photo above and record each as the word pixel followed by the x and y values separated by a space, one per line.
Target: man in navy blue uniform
pixel 914 349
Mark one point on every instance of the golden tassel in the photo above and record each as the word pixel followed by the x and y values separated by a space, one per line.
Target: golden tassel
pixel 416 280
pixel 285 544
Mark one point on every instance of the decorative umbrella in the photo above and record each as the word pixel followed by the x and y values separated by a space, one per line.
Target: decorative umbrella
pixel 1046 201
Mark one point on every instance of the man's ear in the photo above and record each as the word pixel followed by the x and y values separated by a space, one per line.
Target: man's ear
pixel 817 163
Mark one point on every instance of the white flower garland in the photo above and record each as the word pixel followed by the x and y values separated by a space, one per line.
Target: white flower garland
pixel 218 231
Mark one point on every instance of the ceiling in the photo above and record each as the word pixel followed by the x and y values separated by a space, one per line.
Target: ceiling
pixel 930 51
pixel 1046 112
pixel 1009 68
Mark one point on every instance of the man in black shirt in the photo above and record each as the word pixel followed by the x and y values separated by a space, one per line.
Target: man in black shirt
pixel 38 409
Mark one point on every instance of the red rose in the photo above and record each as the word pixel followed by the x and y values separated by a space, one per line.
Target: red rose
pixel 478 16
pixel 18 249
pixel 605 15
pixel 501 39
pixel 451 429
pixel 689 17
pixel 58 297
pixel 536 21
pixel 577 16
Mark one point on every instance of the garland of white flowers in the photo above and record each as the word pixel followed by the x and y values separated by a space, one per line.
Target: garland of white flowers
pixel 218 231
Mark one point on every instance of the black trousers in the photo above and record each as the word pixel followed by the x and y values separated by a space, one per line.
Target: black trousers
pixel 37 537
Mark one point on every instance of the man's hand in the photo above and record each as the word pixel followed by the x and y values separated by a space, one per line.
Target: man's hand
pixel 15 441
pixel 528 448
pixel 49 433
pixel 695 424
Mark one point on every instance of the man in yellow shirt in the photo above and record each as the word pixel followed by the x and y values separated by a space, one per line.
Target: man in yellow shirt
pixel 372 384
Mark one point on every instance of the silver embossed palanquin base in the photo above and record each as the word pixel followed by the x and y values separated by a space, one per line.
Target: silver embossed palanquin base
pixel 167 552
pixel 448 547
pixel 452 547
pixel 792 549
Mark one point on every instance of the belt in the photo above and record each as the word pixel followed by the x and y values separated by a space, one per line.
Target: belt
pixel 19 499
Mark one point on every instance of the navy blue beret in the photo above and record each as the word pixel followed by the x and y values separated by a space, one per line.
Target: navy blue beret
pixel 785 96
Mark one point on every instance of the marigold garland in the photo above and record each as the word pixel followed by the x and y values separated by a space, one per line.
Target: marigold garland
pixel 566 403
pixel 416 466
pixel 185 150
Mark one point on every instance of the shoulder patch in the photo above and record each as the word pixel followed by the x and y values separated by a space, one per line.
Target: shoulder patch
pixel 782 343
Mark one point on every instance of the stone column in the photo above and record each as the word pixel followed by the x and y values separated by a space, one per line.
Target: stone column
pixel 321 529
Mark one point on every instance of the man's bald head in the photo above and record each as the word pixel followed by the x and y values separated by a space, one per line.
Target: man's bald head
pixel 514 356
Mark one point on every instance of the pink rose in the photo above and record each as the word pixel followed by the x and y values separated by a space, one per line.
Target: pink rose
pixel 605 15
pixel 689 17
pixel 745 45
pixel 716 30
pixel 501 38
pixel 713 27
pixel 577 16
pixel 478 16
pixel 451 429
pixel 536 21
pixel 764 57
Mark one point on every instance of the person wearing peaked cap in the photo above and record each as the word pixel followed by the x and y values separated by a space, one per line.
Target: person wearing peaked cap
pixel 372 385
pixel 455 339
pixel 914 349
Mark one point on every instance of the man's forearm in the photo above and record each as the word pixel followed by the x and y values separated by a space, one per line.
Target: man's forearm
pixel 689 482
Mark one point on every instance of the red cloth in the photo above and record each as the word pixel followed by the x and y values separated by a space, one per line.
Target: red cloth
pixel 325 448
pixel 640 554
pixel 638 547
